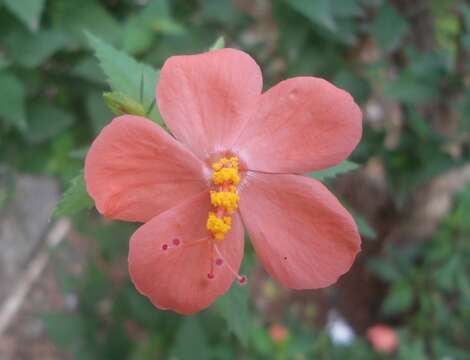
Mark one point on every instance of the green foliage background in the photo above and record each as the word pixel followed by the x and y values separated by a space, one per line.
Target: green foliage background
pixel 58 57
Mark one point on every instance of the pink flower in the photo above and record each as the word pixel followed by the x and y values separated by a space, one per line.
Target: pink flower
pixel 383 338
pixel 278 333
pixel 236 160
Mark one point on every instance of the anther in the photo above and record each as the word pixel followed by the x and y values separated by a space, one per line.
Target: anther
pixel 176 241
pixel 219 262
pixel 242 280
pixel 210 275
pixel 165 247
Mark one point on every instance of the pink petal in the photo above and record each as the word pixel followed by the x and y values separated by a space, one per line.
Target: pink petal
pixel 177 279
pixel 205 98
pixel 301 233
pixel 134 170
pixel 302 124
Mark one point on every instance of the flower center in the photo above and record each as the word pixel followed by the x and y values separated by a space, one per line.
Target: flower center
pixel 224 201
pixel 224 197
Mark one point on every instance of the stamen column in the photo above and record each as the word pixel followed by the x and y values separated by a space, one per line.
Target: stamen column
pixel 224 200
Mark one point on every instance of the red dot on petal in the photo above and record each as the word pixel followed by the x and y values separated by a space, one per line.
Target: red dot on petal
pixel 165 247
pixel 210 276
pixel 176 241
pixel 219 262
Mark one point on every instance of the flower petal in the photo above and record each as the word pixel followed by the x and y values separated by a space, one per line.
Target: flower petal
pixel 205 98
pixel 302 124
pixel 301 233
pixel 134 170
pixel 177 279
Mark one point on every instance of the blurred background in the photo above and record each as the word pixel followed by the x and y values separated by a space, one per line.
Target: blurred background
pixel 64 287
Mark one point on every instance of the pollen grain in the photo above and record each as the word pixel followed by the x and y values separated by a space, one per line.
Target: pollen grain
pixel 224 197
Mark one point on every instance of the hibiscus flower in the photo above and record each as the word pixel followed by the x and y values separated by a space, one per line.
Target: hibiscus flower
pixel 235 161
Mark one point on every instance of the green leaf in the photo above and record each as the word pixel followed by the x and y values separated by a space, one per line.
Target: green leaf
pixel 32 50
pixel 89 70
pixel 148 349
pixel 220 11
pixel 382 25
pixel 98 113
pixel 359 87
pixel 65 330
pixel 320 12
pixel 410 90
pixel 399 298
pixel 73 19
pixel 12 101
pixel 347 8
pixel 384 270
pixel 46 121
pixel 234 308
pixel 29 12
pixel 411 348
pixel 74 199
pixel 128 76
pixel 332 172
pixel 191 341
pixel 362 225
pixel 4 62
pixel 140 30
pixel 218 44
pixel 464 9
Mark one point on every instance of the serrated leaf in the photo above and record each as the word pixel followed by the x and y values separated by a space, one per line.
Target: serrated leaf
pixel 29 12
pixel 12 101
pixel 140 30
pixel 73 19
pixel 410 90
pixel 384 270
pixel 4 62
pixel 32 50
pixel 359 87
pixel 320 12
pixel 380 28
pixel 98 113
pixel 65 330
pixel 364 228
pixel 46 121
pixel 218 44
pixel 342 168
pixel 191 341
pixel 399 298
pixel 74 199
pixel 128 76
pixel 234 308
pixel 89 70
pixel 347 8
pixel 223 11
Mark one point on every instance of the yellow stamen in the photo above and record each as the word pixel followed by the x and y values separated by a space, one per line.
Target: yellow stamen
pixel 218 226
pixel 225 199
pixel 225 175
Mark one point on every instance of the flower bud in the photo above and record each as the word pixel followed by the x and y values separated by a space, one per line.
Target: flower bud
pixel 383 338
pixel 278 333
pixel 121 104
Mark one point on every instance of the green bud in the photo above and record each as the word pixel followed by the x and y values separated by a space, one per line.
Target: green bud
pixel 122 104
pixel 218 44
